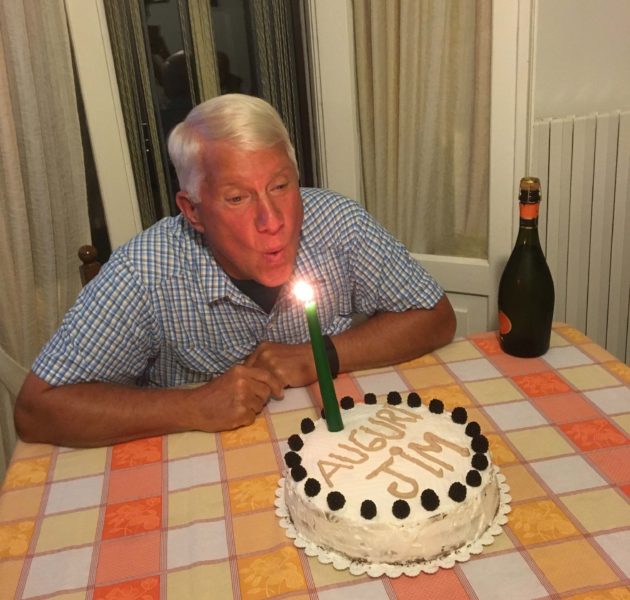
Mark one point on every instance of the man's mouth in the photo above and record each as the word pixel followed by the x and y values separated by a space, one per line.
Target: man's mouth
pixel 274 254
pixel 274 251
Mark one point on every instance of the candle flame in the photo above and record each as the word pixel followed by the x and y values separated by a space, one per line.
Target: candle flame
pixel 303 291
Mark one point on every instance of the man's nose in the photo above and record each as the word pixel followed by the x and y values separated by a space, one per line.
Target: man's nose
pixel 269 217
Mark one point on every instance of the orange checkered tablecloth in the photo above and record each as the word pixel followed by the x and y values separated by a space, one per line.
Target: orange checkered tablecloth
pixel 192 515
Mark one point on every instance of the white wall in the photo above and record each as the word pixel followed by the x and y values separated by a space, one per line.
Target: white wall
pixel 582 57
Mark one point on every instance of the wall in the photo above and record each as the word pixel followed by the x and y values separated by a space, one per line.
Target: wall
pixel 582 57
pixel 581 67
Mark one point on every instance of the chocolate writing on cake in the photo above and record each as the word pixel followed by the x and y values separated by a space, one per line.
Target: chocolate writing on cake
pixel 387 426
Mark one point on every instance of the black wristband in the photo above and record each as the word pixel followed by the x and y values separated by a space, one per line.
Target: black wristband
pixel 333 359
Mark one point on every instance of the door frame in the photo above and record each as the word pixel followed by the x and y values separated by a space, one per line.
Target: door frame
pixel 104 117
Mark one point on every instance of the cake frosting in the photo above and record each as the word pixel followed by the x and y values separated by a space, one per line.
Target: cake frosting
pixel 402 483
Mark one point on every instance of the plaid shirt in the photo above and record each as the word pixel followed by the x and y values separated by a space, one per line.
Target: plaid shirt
pixel 163 313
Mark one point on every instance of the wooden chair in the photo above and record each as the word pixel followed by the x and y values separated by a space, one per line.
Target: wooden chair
pixel 90 265
pixel 12 374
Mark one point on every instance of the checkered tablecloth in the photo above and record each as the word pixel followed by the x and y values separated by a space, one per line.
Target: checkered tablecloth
pixel 191 515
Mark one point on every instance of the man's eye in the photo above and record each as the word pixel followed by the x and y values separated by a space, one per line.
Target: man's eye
pixel 278 187
pixel 235 199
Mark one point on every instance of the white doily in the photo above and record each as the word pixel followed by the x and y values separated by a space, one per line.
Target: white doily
pixel 341 562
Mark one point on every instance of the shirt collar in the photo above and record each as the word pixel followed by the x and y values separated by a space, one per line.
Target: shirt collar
pixel 213 280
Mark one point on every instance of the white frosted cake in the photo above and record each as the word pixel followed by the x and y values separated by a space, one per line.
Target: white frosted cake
pixel 403 483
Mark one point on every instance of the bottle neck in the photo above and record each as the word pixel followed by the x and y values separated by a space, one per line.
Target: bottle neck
pixel 529 204
pixel 529 211
pixel 528 223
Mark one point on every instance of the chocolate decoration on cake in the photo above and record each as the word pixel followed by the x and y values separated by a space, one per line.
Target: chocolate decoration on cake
pixel 479 462
pixel 457 492
pixel 346 403
pixel 429 500
pixel 307 425
pixel 414 400
pixel 369 398
pixel 298 473
pixel 292 459
pixel 312 487
pixel 335 500
pixel 394 398
pixel 473 478
pixel 436 406
pixel 473 429
pixel 368 509
pixel 459 415
pixel 401 509
pixel 295 442
pixel 480 443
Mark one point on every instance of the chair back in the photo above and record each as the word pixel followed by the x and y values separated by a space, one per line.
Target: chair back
pixel 12 374
pixel 90 265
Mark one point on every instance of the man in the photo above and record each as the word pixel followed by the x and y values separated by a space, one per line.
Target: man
pixel 206 296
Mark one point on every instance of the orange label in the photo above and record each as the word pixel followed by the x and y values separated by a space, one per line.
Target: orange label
pixel 529 211
pixel 505 325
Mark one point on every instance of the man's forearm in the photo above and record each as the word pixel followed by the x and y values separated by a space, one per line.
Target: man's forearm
pixel 98 414
pixel 390 338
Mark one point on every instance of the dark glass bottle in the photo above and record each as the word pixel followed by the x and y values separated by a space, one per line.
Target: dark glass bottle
pixel 526 293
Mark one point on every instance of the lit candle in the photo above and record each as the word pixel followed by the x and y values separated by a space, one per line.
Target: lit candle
pixel 304 292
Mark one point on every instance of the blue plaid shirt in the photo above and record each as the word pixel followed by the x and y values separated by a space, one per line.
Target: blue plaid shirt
pixel 163 313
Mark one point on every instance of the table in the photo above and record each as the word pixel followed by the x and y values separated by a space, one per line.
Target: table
pixel 192 516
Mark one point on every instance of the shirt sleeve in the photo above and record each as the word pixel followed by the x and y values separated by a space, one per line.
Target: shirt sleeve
pixel 108 335
pixel 386 276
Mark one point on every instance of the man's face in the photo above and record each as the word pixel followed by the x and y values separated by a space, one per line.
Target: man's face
pixel 250 211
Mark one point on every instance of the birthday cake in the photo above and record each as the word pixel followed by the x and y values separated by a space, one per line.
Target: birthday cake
pixel 405 487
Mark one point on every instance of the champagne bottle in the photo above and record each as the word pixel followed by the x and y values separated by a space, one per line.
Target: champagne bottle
pixel 526 294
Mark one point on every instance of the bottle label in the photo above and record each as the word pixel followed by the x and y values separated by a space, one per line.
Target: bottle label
pixel 505 325
pixel 528 211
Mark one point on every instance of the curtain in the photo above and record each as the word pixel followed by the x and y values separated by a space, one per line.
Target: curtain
pixel 201 45
pixel 423 87
pixel 276 49
pixel 43 216
pixel 126 34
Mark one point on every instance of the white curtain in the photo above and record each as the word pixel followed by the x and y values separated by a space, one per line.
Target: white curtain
pixel 423 85
pixel 43 216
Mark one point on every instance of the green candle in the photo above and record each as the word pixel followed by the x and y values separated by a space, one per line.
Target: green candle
pixel 331 408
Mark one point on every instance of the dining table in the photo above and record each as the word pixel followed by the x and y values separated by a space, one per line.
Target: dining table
pixel 192 515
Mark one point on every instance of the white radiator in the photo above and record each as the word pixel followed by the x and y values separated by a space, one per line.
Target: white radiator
pixel 584 167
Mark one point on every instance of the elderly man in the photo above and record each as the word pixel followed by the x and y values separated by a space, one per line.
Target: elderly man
pixel 205 297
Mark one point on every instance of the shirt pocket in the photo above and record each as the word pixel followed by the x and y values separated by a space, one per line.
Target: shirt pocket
pixel 334 296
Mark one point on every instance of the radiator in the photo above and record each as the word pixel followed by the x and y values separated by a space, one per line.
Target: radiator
pixel 584 167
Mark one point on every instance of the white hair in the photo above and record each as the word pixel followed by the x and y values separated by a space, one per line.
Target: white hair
pixel 247 121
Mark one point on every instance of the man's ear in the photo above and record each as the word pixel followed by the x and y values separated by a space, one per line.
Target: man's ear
pixel 190 210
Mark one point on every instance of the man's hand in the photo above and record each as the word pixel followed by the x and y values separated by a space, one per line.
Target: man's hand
pixel 236 397
pixel 292 364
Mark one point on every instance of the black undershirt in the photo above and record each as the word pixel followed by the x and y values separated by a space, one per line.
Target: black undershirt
pixel 262 295
pixel 266 297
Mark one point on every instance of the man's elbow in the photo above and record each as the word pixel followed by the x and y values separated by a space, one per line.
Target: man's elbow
pixel 446 322
pixel 24 420
pixel 28 410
